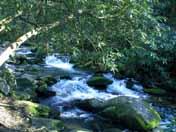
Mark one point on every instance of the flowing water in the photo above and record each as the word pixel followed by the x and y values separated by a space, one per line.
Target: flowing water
pixel 69 91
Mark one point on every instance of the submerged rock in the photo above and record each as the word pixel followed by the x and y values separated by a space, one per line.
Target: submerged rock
pixel 99 82
pixel 51 124
pixel 131 112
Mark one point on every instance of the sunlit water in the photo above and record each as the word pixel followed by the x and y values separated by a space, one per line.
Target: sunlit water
pixel 59 61
pixel 23 51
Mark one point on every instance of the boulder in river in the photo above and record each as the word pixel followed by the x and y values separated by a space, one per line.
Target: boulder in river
pixel 99 82
pixel 131 112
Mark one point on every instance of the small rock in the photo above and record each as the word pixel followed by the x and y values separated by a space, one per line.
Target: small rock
pixel 99 82
pixel 43 83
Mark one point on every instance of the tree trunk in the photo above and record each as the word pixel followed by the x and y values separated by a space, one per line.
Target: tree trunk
pixel 8 20
pixel 4 56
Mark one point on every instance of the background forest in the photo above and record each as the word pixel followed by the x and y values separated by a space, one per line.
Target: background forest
pixel 131 38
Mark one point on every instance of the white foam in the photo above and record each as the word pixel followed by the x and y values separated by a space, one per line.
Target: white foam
pixel 23 51
pixel 75 113
pixel 119 87
pixel 61 62
pixel 77 89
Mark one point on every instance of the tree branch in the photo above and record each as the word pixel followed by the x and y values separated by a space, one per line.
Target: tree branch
pixel 4 56
pixel 8 20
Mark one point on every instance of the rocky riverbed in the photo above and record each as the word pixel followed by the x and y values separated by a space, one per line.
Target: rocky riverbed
pixel 71 100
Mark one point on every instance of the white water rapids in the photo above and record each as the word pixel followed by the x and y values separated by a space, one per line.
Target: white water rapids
pixel 77 88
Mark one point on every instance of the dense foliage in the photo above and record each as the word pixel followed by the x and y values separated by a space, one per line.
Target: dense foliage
pixel 128 37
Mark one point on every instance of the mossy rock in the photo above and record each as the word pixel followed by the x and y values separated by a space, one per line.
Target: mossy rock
pixel 156 91
pixel 50 124
pixel 49 80
pixel 45 93
pixel 34 109
pixel 42 87
pixel 131 112
pixel 20 95
pixel 99 82
pixel 44 82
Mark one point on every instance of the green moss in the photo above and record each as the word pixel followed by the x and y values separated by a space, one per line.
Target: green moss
pixel 155 91
pixel 146 125
pixel 42 88
pixel 49 80
pixel 43 83
pixel 20 95
pixel 34 109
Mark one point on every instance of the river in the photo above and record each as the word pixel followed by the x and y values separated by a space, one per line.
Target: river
pixel 75 88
